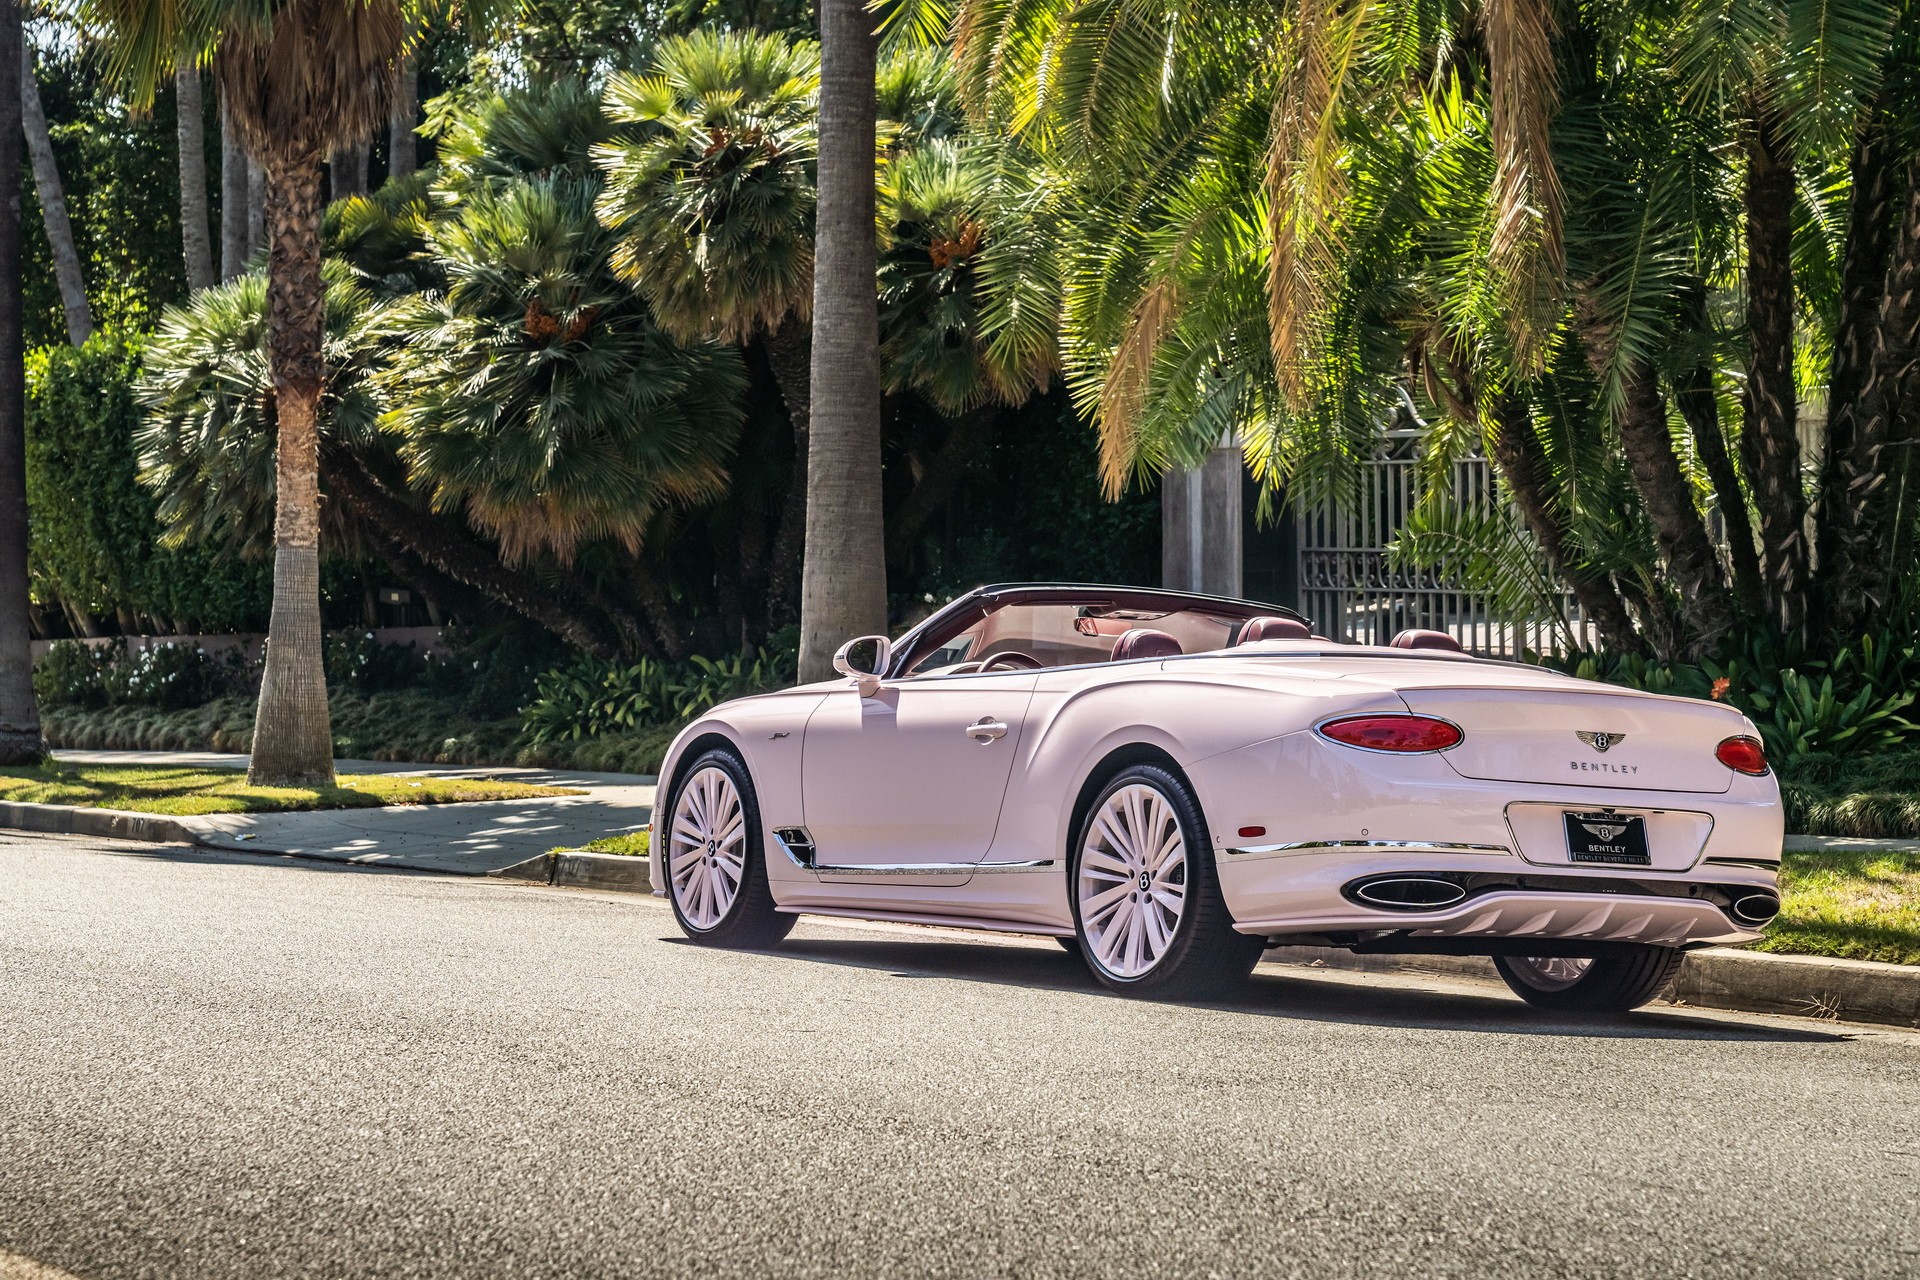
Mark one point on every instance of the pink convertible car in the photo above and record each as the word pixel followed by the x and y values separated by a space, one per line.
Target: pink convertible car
pixel 1168 783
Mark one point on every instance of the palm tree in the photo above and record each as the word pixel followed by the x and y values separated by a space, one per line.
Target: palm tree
pixel 53 206
pixel 298 77
pixel 539 400
pixel 843 591
pixel 20 740
pixel 190 129
pixel 712 195
pixel 934 336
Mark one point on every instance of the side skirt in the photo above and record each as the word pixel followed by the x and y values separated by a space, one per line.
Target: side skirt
pixel 941 921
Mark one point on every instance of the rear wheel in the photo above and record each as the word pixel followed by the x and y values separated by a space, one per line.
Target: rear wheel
pixel 1146 902
pixel 716 857
pixel 1605 984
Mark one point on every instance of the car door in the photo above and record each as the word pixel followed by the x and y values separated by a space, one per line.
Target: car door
pixel 914 776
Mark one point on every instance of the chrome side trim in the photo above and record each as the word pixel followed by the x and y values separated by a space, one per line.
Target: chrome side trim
pixel 932 868
pixel 1425 846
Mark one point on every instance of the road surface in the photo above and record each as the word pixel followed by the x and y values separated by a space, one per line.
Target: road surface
pixel 221 1065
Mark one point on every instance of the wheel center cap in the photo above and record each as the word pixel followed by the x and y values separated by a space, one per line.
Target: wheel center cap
pixel 1146 882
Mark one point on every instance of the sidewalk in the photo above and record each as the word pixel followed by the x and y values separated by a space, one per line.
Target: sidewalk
pixel 463 839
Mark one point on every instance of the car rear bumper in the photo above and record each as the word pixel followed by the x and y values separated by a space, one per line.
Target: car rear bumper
pixel 1492 894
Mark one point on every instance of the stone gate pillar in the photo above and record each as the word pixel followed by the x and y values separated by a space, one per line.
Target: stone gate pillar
pixel 1200 525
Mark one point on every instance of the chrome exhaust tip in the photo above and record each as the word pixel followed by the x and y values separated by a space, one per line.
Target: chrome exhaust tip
pixel 1755 908
pixel 1408 893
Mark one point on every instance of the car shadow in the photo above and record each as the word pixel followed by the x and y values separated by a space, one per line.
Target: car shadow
pixel 1293 992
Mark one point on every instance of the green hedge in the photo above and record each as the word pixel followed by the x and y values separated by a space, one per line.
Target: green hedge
pixel 95 541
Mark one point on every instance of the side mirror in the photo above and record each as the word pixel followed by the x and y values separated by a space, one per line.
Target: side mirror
pixel 864 658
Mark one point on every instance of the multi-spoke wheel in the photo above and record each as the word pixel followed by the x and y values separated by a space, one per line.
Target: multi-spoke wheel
pixel 1612 983
pixel 716 869
pixel 1145 899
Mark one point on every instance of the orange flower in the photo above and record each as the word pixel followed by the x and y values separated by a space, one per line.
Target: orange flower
pixel 1720 687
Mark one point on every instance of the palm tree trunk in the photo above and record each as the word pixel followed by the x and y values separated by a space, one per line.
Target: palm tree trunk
pixel 292 734
pixel 1874 174
pixel 1874 476
pixel 441 549
pixel 233 199
pixel 1770 440
pixel 403 145
pixel 20 741
pixel 190 128
pixel 1523 466
pixel 256 207
pixel 1694 396
pixel 347 172
pixel 843 589
pixel 1692 565
pixel 53 202
pixel 789 351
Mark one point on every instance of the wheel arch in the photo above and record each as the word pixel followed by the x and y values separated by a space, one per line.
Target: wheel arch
pixel 693 749
pixel 1103 770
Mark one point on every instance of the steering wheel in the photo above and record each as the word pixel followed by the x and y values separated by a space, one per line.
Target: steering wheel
pixel 1010 660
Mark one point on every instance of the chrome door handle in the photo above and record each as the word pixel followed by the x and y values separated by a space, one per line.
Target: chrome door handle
pixel 986 730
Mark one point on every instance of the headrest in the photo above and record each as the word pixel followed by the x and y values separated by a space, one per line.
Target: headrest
pixel 1144 642
pixel 1272 629
pixel 1427 640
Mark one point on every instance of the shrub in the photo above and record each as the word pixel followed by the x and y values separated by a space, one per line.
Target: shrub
pixel 356 660
pixel 593 697
pixel 72 673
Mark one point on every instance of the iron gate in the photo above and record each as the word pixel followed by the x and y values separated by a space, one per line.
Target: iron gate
pixel 1351 591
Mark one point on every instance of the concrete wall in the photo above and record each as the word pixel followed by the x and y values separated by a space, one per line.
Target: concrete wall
pixel 1201 518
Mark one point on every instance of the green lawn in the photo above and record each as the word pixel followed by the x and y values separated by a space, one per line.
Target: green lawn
pixel 1860 905
pixel 187 791
pixel 631 845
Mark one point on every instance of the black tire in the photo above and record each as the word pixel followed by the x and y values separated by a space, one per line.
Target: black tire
pixel 1611 984
pixel 751 921
pixel 1205 956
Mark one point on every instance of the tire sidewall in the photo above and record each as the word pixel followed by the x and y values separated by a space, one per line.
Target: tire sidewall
pixel 1193 830
pixel 727 762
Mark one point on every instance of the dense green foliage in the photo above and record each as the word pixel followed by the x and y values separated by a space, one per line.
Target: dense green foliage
pixel 97 547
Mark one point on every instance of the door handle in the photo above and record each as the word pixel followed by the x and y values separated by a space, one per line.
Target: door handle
pixel 986 730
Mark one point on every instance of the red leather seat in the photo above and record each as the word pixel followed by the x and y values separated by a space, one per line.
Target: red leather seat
pixel 1271 629
pixel 1427 640
pixel 1144 642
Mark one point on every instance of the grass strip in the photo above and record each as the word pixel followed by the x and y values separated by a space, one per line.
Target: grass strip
pixel 1857 905
pixel 189 791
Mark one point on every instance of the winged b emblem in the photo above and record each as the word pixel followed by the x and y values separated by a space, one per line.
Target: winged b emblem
pixel 1599 741
pixel 1605 831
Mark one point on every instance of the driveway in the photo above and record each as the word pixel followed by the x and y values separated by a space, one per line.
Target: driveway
pixel 230 1066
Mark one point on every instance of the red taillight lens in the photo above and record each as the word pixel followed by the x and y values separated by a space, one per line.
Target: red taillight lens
pixel 1742 755
pixel 1393 733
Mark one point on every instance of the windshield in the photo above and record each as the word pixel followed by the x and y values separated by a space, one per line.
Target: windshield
pixel 1050 634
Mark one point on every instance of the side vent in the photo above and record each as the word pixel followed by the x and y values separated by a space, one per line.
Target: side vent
pixel 797 844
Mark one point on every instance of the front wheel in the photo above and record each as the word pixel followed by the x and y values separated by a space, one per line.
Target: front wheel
pixel 1606 984
pixel 716 858
pixel 1146 902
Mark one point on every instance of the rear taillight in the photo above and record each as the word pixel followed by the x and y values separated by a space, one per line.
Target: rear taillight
pixel 1742 755
pixel 1393 733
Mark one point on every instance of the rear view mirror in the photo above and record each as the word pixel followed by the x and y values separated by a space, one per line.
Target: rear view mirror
pixel 864 658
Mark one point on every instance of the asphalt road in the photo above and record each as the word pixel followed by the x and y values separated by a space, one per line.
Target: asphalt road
pixel 233 1066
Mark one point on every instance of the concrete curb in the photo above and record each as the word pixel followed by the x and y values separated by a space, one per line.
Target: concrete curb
pixel 1713 978
pixel 78 820
pixel 580 870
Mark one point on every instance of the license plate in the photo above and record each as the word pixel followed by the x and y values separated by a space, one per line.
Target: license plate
pixel 1616 838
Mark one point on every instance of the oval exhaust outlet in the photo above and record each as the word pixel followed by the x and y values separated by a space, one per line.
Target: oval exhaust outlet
pixel 1755 908
pixel 1404 892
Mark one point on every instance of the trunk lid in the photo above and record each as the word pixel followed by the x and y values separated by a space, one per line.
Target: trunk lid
pixel 1583 735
